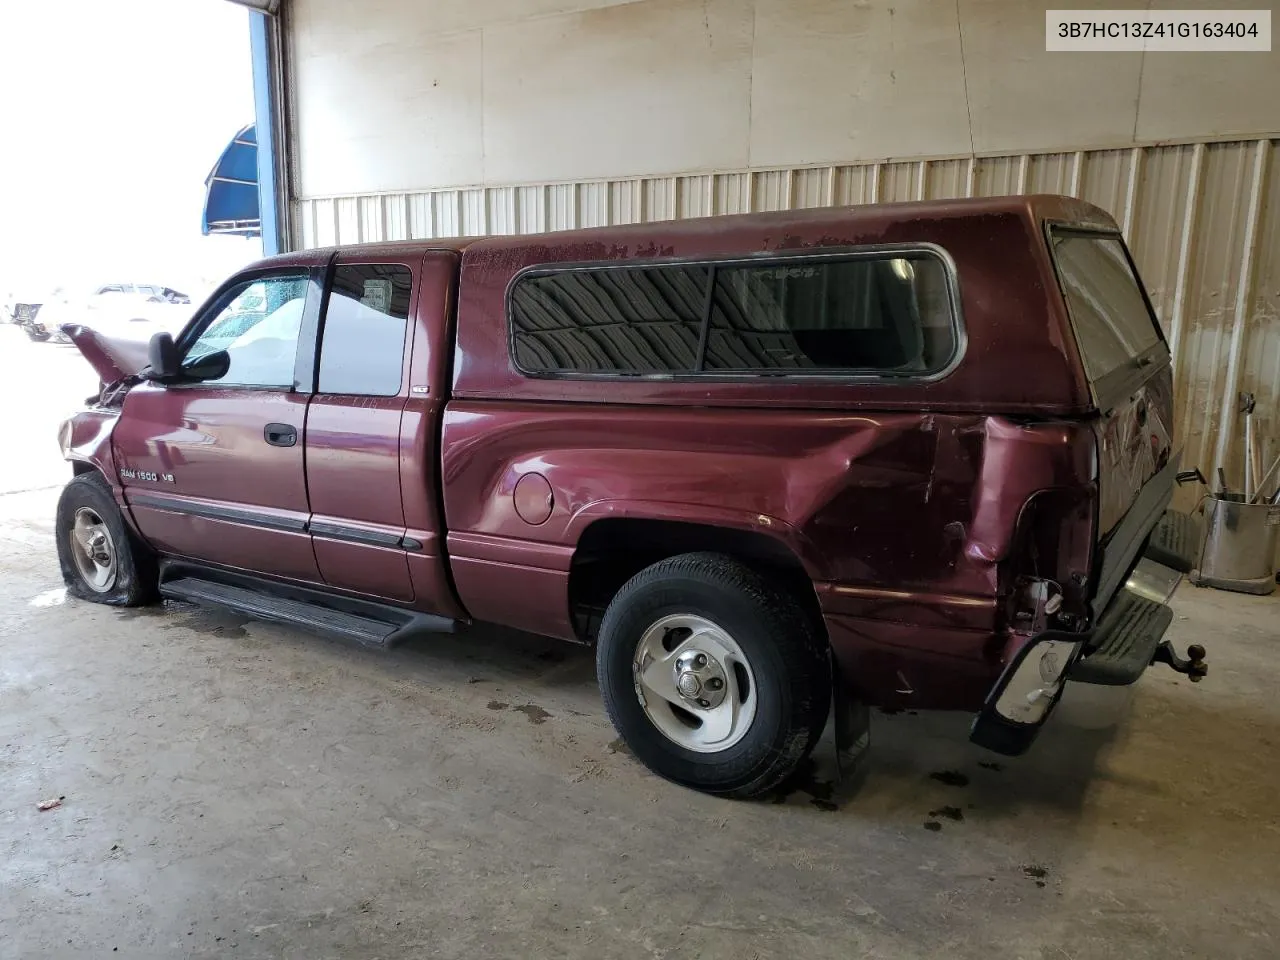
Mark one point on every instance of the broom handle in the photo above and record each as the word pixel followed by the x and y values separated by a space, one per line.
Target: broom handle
pixel 1266 479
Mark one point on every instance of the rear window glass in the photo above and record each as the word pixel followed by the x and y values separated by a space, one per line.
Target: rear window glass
pixel 885 315
pixel 1112 323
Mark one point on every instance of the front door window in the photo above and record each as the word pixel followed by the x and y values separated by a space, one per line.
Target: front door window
pixel 258 328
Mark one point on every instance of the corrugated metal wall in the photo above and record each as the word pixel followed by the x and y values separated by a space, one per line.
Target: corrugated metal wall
pixel 1203 220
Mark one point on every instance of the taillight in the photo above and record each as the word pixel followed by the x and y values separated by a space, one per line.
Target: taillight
pixel 1046 575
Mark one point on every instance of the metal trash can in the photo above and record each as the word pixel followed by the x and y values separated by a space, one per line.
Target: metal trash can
pixel 1239 546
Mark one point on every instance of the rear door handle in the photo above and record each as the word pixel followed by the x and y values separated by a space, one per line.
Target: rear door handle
pixel 280 434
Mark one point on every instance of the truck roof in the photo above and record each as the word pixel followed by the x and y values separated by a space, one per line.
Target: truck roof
pixel 1017 354
pixel 1034 207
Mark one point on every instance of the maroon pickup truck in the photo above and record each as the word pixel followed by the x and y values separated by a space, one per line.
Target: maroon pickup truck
pixel 904 455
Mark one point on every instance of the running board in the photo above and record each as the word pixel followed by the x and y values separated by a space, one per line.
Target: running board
pixel 368 624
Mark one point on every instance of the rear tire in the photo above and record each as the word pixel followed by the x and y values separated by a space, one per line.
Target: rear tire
pixel 715 678
pixel 101 560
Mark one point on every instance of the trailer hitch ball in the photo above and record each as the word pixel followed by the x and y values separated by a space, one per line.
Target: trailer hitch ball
pixel 1193 666
pixel 1197 668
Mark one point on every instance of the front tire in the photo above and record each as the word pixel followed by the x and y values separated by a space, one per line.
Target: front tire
pixel 715 678
pixel 101 560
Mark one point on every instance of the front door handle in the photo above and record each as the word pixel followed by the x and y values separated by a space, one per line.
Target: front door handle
pixel 280 434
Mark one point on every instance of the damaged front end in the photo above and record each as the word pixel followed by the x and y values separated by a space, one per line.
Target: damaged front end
pixel 85 438
pixel 117 362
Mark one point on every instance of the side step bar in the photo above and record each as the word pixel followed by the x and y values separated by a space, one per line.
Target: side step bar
pixel 369 624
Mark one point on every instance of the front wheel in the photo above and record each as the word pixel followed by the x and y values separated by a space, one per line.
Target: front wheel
pixel 100 558
pixel 715 678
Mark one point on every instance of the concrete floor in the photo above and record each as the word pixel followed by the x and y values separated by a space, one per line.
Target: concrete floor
pixel 235 789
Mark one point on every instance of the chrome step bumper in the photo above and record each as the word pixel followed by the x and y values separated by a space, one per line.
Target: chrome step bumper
pixel 1124 642
pixel 1127 639
pixel 1175 541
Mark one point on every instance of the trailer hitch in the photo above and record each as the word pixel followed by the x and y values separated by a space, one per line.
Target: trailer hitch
pixel 1193 666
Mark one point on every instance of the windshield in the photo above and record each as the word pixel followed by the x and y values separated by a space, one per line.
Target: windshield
pixel 1112 322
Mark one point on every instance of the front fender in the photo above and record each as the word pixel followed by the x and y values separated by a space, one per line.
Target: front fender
pixel 85 439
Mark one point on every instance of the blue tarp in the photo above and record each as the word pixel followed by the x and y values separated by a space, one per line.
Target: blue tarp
pixel 231 189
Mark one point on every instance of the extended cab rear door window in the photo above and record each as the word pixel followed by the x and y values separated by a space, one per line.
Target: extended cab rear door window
pixel 878 314
pixel 362 340
pixel 1113 322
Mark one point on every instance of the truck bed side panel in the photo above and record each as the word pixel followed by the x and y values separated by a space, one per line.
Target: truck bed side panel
pixel 901 520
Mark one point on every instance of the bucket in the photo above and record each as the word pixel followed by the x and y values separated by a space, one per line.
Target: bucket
pixel 1239 546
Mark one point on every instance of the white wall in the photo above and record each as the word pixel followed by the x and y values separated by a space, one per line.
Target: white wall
pixel 401 95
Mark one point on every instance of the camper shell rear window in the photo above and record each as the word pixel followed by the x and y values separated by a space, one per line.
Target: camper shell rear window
pixel 1113 321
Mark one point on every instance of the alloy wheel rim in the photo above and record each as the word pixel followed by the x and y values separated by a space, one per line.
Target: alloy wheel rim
pixel 93 550
pixel 694 683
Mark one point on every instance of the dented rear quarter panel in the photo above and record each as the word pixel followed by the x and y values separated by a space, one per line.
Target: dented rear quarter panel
pixel 901 520
pixel 901 499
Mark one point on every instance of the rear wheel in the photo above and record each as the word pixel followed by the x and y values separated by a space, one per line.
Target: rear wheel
pixel 101 560
pixel 715 678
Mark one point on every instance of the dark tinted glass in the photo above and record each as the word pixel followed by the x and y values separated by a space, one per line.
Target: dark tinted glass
pixel 1111 319
pixel 889 315
pixel 625 320
pixel 362 346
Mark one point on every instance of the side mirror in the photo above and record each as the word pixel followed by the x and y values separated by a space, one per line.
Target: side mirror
pixel 212 366
pixel 163 356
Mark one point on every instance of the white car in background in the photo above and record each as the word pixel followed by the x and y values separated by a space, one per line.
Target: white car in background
pixel 127 311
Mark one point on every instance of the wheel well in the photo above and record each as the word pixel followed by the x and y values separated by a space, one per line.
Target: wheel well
pixel 79 466
pixel 612 551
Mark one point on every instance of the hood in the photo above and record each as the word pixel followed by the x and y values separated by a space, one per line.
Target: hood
pixel 113 358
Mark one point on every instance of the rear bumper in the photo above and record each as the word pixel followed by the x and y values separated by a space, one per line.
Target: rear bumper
pixel 1129 633
pixel 1115 652
pixel 1129 622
